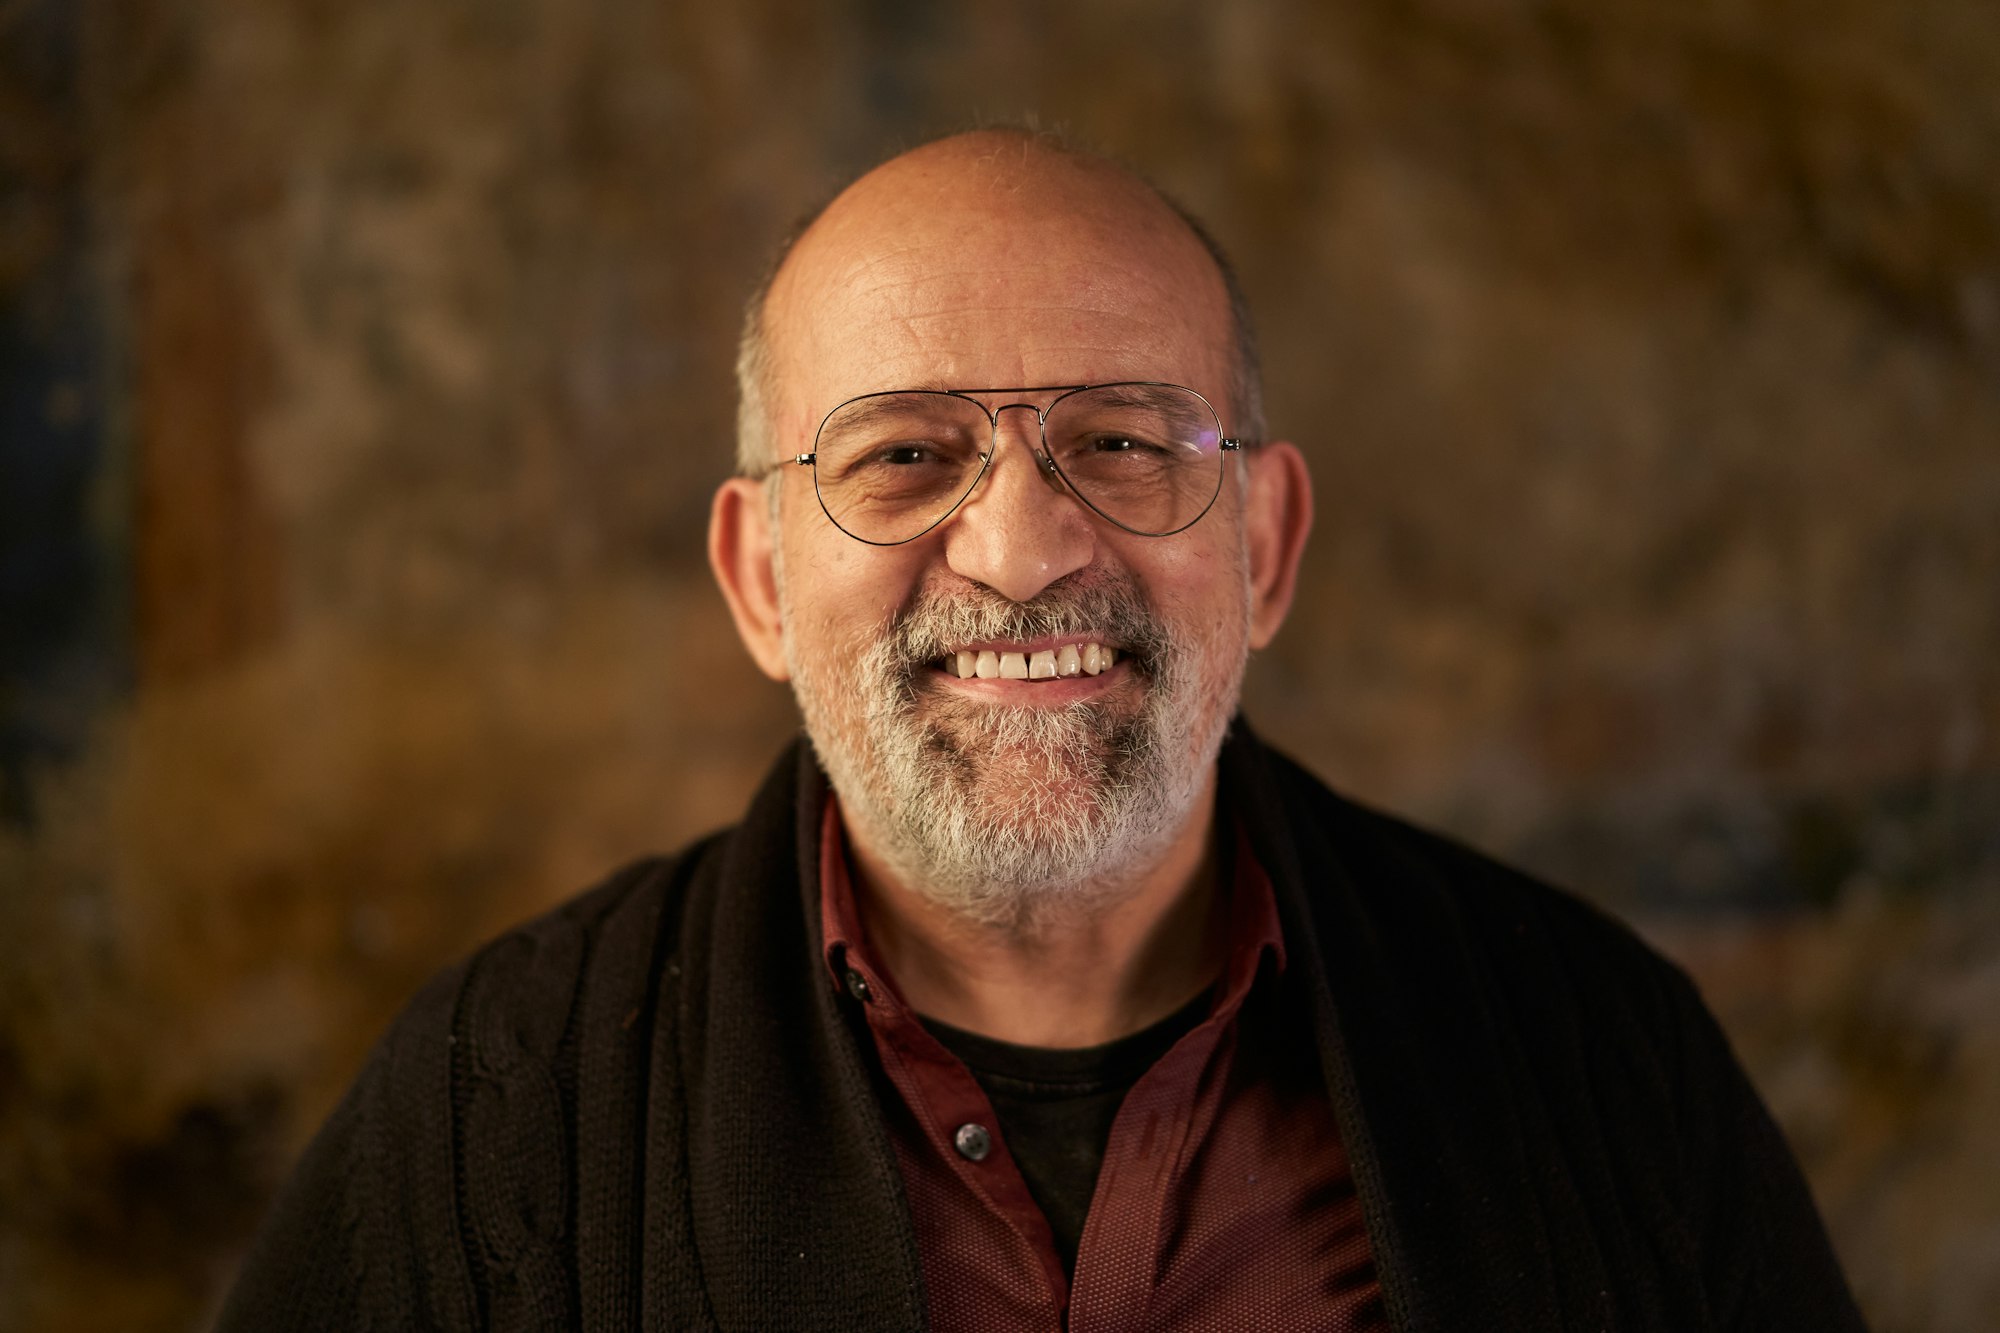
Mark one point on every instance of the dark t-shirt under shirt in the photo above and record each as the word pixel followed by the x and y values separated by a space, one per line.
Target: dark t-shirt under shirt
pixel 1056 1107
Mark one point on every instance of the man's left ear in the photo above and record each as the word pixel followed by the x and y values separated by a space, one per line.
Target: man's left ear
pixel 1278 508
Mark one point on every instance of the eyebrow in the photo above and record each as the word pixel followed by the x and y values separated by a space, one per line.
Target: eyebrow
pixel 864 409
pixel 1138 395
pixel 861 413
pixel 921 386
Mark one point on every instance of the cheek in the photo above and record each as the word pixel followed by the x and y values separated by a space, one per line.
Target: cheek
pixel 838 594
pixel 1204 584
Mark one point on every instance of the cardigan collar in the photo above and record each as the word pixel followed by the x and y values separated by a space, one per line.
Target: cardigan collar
pixel 797 1199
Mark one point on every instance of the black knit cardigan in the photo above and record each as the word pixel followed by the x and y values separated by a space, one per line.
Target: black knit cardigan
pixel 650 1110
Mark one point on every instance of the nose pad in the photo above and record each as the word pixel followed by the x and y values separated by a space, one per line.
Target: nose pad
pixel 1031 438
pixel 1050 473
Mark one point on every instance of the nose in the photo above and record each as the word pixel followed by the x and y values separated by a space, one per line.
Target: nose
pixel 1020 530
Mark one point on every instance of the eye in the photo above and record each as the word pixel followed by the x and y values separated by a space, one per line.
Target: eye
pixel 1118 444
pixel 896 465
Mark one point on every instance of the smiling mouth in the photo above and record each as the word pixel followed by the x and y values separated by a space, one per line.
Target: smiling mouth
pixel 1060 663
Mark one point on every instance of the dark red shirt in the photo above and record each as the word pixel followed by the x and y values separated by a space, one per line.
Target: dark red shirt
pixel 1224 1201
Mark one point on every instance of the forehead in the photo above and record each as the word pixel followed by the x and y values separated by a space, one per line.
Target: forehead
pixel 993 271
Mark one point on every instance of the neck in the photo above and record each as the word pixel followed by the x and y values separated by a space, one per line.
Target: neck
pixel 1060 976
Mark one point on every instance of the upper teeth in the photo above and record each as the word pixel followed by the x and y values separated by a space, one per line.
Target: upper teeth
pixel 1072 659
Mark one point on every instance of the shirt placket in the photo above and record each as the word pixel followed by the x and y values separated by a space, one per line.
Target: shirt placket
pixel 961 1127
pixel 1158 1130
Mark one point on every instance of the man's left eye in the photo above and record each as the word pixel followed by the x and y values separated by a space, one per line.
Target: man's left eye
pixel 1118 444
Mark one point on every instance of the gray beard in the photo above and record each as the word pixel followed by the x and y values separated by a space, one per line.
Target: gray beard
pixel 1006 815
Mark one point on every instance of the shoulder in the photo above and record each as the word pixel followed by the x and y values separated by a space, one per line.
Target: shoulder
pixel 1389 860
pixel 520 988
pixel 566 1002
pixel 613 938
pixel 389 1219
pixel 1428 904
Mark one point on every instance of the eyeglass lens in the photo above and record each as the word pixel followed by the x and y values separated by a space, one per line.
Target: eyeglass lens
pixel 1146 456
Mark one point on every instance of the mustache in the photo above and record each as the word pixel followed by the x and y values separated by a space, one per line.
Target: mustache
pixel 938 620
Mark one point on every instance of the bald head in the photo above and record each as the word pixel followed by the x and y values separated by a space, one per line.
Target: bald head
pixel 1005 257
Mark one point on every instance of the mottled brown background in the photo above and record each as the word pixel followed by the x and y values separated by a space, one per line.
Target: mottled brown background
pixel 367 371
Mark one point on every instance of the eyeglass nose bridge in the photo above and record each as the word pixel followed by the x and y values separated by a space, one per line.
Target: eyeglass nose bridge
pixel 1038 445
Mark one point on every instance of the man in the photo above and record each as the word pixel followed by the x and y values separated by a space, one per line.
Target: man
pixel 1058 1001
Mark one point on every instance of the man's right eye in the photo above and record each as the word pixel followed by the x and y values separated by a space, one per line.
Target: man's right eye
pixel 904 454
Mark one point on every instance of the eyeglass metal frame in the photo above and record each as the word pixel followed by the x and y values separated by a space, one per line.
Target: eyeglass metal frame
pixel 1043 458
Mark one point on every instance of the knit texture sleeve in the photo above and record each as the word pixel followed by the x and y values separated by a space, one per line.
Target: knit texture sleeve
pixel 1768 1260
pixel 364 1234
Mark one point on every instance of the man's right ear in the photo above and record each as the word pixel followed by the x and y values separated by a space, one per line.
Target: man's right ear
pixel 742 554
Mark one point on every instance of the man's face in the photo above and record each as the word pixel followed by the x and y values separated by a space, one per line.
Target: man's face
pixel 995 795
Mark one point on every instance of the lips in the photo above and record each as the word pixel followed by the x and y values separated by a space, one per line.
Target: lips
pixel 1077 630
pixel 1088 658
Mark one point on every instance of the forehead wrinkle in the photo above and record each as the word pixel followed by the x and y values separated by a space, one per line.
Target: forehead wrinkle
pixel 1093 320
pixel 860 265
pixel 961 289
pixel 983 315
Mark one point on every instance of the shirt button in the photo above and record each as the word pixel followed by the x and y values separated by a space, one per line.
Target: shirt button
pixel 857 986
pixel 972 1142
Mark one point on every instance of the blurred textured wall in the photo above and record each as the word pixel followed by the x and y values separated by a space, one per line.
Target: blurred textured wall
pixel 367 372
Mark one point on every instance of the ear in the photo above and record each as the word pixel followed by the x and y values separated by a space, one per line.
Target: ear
pixel 1279 512
pixel 740 552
